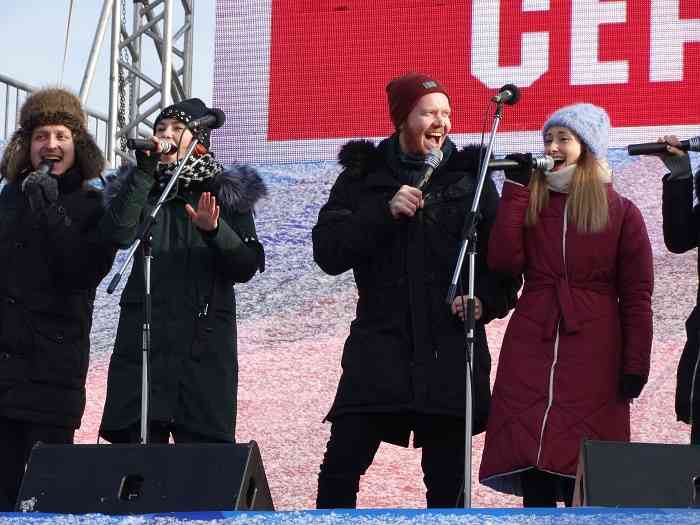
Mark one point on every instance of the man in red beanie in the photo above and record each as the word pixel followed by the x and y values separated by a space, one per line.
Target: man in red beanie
pixel 404 362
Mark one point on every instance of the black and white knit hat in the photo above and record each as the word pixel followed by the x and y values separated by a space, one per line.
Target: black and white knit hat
pixel 186 111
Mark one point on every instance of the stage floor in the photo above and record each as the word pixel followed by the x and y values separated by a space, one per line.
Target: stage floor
pixel 578 516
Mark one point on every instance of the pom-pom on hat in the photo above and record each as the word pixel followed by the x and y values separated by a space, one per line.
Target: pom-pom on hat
pixel 590 123
pixel 404 92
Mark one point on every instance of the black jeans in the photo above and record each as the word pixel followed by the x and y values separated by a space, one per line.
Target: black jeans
pixel 16 441
pixel 354 441
pixel 542 489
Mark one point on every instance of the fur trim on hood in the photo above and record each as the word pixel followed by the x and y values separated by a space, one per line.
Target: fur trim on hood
pixel 237 189
pixel 362 156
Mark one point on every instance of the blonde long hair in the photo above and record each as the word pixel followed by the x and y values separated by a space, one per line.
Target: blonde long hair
pixel 588 200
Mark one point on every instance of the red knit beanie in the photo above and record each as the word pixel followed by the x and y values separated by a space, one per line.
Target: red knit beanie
pixel 405 91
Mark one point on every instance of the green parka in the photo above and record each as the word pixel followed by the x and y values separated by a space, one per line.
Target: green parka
pixel 193 362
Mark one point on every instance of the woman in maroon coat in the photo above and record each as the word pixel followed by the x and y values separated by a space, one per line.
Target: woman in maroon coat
pixel 576 350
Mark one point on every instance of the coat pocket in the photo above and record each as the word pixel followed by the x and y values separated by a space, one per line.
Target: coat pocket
pixel 60 351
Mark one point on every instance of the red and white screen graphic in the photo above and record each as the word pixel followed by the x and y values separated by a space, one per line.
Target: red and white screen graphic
pixel 299 78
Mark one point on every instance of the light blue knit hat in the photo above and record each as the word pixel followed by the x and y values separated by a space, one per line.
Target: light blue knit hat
pixel 589 122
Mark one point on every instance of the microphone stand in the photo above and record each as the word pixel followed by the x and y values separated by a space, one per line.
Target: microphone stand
pixel 469 238
pixel 144 237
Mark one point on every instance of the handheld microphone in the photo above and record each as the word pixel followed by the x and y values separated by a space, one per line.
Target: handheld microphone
pixel 508 94
pixel 432 161
pixel 650 148
pixel 212 120
pixel 544 163
pixel 45 167
pixel 163 146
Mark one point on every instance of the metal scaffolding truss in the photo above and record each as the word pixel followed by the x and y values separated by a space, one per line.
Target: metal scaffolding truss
pixel 150 65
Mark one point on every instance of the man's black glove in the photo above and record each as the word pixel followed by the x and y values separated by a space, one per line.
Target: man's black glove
pixel 521 174
pixel 41 190
pixel 631 385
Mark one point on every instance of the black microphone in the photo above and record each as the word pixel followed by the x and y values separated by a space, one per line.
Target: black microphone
pixel 544 163
pixel 650 148
pixel 432 161
pixel 508 94
pixel 212 120
pixel 163 146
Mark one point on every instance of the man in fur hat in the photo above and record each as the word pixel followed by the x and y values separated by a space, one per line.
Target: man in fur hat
pixel 51 261
pixel 204 242
pixel 404 362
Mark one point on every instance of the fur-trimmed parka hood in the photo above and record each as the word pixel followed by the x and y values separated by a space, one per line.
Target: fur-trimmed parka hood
pixel 237 189
pixel 363 156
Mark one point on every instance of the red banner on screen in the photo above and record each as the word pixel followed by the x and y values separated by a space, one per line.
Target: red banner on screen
pixel 330 60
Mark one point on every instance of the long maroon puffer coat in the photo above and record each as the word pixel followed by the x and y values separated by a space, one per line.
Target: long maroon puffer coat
pixel 584 318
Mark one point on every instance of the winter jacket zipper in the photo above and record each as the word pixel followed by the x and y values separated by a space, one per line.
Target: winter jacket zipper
pixel 550 394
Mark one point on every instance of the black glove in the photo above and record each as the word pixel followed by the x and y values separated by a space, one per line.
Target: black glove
pixel 678 166
pixel 522 173
pixel 631 385
pixel 41 190
pixel 147 163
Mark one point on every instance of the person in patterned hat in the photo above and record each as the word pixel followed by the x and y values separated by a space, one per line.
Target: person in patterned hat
pixel 204 242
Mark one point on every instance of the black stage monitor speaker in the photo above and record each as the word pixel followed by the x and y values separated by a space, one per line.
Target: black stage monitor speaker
pixel 138 479
pixel 614 474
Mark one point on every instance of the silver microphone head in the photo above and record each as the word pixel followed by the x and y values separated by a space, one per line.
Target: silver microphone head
pixel 434 158
pixel 544 163
pixel 165 147
pixel 45 166
pixel 694 144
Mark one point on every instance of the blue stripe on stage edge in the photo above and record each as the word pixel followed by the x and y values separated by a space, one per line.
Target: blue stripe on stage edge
pixel 583 516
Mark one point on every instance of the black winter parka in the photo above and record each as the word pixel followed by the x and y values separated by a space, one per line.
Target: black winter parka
pixel 406 350
pixel 50 266
pixel 681 225
pixel 193 360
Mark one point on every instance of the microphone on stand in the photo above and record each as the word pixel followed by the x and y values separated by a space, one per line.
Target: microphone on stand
pixel 164 147
pixel 432 161
pixel 544 163
pixel 651 148
pixel 508 94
